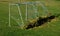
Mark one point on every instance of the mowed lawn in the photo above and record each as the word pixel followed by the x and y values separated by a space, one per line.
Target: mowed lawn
pixel 48 29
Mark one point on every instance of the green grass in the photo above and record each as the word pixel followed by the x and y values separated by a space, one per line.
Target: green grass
pixel 49 29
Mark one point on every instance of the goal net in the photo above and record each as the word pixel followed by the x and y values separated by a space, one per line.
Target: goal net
pixel 21 13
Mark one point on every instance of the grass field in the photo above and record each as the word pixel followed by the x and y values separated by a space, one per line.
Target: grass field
pixel 49 29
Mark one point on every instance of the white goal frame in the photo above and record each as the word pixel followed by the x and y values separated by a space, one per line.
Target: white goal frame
pixel 26 3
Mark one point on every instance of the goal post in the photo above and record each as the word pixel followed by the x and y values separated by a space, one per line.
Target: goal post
pixel 22 12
